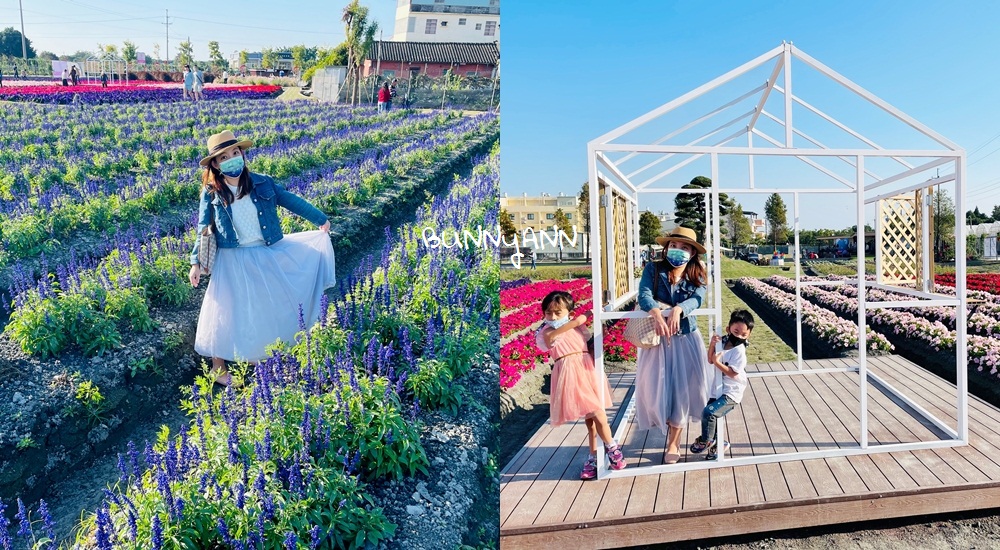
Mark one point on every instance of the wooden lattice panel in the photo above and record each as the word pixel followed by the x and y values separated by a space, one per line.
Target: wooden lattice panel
pixel 623 273
pixel 900 248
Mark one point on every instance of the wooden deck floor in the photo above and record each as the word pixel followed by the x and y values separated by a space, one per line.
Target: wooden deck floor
pixel 542 501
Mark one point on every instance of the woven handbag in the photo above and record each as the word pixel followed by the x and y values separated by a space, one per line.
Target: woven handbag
pixel 207 246
pixel 641 331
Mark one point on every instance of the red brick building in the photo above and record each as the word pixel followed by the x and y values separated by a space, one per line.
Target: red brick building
pixel 401 59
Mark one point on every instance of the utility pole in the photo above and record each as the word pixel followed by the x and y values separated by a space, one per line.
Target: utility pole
pixel 24 43
pixel 167 25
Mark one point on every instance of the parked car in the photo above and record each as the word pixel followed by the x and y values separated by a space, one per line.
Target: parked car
pixel 753 258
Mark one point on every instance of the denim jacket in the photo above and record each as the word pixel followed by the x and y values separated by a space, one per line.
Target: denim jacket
pixel 267 195
pixel 687 296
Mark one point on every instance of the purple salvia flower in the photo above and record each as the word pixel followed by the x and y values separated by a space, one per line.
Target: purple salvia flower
pixel 302 318
pixel 24 525
pixel 50 528
pixel 121 468
pixel 290 540
pixel 156 535
pixel 224 531
pixel 314 537
pixel 105 529
pixel 133 456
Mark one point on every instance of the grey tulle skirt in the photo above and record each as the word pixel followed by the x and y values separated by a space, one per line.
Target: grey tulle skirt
pixel 671 382
pixel 254 294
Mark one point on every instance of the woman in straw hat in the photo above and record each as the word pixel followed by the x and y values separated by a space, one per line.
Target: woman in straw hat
pixel 260 278
pixel 672 379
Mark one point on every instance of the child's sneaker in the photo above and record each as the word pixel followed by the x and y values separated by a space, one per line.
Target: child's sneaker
pixel 712 451
pixel 589 469
pixel 615 458
pixel 700 445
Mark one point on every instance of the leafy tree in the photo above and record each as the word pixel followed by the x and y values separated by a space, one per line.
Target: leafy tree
pixel 243 58
pixel 562 222
pixel 109 50
pixel 48 55
pixel 996 213
pixel 740 232
pixel 215 55
pixel 944 224
pixel 156 51
pixel 360 38
pixel 335 57
pixel 10 43
pixel 975 217
pixel 584 205
pixel 776 215
pixel 304 58
pixel 649 228
pixel 507 226
pixel 129 52
pixel 689 208
pixel 79 56
pixel 268 58
pixel 185 53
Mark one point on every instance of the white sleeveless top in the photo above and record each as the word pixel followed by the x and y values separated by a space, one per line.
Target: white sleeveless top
pixel 246 220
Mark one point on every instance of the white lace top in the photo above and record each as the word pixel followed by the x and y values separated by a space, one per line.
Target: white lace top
pixel 246 220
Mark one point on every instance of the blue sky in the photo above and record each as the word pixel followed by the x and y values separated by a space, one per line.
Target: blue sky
pixel 575 70
pixel 65 26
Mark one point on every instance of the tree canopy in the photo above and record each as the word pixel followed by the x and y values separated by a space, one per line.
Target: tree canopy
pixel 649 228
pixel 777 217
pixel 689 208
pixel 10 43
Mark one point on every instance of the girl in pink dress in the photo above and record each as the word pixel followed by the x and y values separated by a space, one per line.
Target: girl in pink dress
pixel 578 389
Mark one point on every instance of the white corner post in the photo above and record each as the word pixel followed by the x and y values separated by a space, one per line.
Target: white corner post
pixel 798 282
pixel 862 299
pixel 961 345
pixel 596 281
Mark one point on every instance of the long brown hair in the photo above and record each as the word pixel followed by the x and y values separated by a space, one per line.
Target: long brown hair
pixel 213 180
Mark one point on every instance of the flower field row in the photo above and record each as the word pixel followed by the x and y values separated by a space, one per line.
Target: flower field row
pixel 824 324
pixel 518 297
pixel 93 94
pixel 983 351
pixel 98 300
pixel 985 282
pixel 504 285
pixel 521 354
pixel 285 462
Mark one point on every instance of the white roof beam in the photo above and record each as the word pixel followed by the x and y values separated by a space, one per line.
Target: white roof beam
pixel 782 152
pixel 689 160
pixel 810 162
pixel 771 81
pixel 695 142
pixel 694 123
pixel 911 172
pixel 818 144
pixel 837 123
pixel 700 90
pixel 913 123
pixel 603 159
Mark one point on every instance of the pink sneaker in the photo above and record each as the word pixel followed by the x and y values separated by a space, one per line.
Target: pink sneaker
pixel 589 469
pixel 615 458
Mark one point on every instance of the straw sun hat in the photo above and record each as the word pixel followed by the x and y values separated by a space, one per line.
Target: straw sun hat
pixel 220 142
pixel 681 235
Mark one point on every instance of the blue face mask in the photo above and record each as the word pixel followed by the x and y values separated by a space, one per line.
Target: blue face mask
pixel 678 257
pixel 556 323
pixel 232 167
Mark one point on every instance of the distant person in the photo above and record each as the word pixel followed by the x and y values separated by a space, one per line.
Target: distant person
pixel 104 80
pixel 392 87
pixel 281 73
pixel 383 98
pixel 534 257
pixel 225 77
pixel 74 75
pixel 199 84
pixel 188 82
pixel 16 75
pixel 65 77
pixel 1 77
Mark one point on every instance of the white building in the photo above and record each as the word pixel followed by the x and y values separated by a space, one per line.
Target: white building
pixel 447 21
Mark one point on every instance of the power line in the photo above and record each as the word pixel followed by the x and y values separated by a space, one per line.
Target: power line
pixel 254 27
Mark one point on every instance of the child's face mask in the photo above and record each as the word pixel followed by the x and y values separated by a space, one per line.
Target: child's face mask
pixel 556 323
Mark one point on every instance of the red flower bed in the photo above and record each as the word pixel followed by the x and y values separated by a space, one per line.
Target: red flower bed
pixel 521 309
pixel 986 282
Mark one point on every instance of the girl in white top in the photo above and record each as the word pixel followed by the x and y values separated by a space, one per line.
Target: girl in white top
pixel 729 357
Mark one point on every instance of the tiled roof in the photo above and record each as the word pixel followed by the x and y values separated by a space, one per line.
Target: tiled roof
pixel 486 53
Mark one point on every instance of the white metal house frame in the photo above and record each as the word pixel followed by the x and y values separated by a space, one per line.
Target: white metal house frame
pixel 605 169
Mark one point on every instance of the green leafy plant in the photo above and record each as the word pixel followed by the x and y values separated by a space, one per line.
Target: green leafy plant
pixel 145 364
pixel 26 442
pixel 432 385
pixel 89 396
pixel 129 307
pixel 173 340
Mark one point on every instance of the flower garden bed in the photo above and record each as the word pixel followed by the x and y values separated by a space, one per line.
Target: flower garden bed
pixel 95 94
pixel 37 456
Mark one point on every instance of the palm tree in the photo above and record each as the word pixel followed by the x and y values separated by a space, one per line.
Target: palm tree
pixel 360 33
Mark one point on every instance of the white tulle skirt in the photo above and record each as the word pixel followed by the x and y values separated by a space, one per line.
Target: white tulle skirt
pixel 254 294
pixel 671 383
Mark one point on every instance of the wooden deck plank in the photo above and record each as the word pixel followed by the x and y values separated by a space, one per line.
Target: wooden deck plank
pixel 555 458
pixel 780 414
pixel 669 493
pixel 722 487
